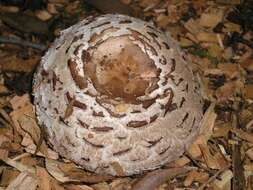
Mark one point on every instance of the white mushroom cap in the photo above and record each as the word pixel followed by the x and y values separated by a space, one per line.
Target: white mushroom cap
pixel 116 96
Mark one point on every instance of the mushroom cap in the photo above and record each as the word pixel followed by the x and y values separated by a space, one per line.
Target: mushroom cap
pixel 117 96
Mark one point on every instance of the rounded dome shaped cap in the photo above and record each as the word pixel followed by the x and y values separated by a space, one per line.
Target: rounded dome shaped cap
pixel 116 96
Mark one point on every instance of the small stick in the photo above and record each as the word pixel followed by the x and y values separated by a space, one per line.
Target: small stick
pixel 238 171
pixel 20 42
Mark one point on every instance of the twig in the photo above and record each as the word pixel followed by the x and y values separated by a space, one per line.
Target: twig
pixel 213 177
pixel 20 42
pixel 238 171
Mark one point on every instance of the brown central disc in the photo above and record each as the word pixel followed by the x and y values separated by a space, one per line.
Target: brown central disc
pixel 119 68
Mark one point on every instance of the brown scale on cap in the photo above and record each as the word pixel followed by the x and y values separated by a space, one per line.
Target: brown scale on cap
pixel 118 93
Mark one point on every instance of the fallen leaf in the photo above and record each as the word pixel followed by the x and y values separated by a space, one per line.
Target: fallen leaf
pixel 127 2
pixel 121 183
pixel 158 177
pixel 195 176
pixel 207 123
pixel 19 166
pixel 230 70
pixel 43 15
pixel 3 89
pixel 210 160
pixel 229 90
pixel 249 153
pixel 24 120
pixel 11 9
pixel 248 91
pixel 43 178
pixel 24 181
pixel 77 187
pixel 192 26
pixel 51 8
pixel 54 170
pixel 8 175
pixel 211 19
pixel 207 37
pixel 16 64
pixel 224 181
pixel 247 64
pixel 162 21
pixel 65 172
pixel 182 161
pixel 242 134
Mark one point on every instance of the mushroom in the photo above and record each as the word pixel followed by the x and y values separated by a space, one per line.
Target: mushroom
pixel 117 96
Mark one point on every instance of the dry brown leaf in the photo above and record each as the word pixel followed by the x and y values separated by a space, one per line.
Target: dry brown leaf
pixel 19 166
pixel 24 181
pixel 192 26
pixel 72 7
pixel 120 184
pixel 216 50
pixel 11 9
pixel 56 186
pixel 248 91
pixel 221 130
pixel 158 177
pixel 229 90
pixel 197 176
pixel 54 170
pixel 194 149
pixel 146 3
pixel 231 27
pixel 230 70
pixel 224 181
pixel 18 102
pixel 3 89
pixel 3 153
pixel 247 64
pixel 182 161
pixel 51 8
pixel 7 176
pixel 207 37
pixel 210 160
pixel 43 15
pixel 101 186
pixel 184 42
pixel 64 172
pixel 211 19
pixel 15 64
pixel 242 134
pixel 127 2
pixel 220 158
pixel 27 160
pixel 44 181
pixel 77 187
pixel 24 120
pixel 162 21
pixel 207 123
pixel 249 153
